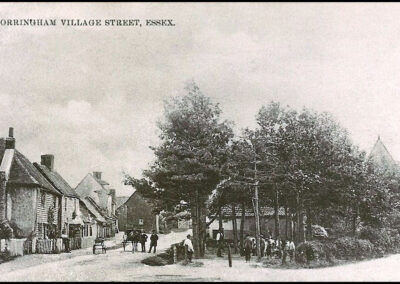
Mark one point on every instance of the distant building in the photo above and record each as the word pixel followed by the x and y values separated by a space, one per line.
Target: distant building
pixel 121 200
pixel 27 200
pixel 267 222
pixel 99 192
pixel 382 158
pixel 137 213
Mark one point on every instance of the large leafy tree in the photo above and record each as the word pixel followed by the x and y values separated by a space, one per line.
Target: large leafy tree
pixel 194 146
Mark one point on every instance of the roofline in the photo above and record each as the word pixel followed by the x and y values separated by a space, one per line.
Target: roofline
pixel 33 185
pixel 51 182
pixel 384 146
pixel 81 181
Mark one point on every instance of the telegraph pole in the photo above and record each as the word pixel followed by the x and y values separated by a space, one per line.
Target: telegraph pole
pixel 256 209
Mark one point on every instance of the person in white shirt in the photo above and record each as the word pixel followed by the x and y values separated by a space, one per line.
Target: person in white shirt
pixel 292 249
pixel 220 240
pixel 189 247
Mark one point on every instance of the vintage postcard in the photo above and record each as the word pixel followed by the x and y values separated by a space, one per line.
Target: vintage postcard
pixel 199 141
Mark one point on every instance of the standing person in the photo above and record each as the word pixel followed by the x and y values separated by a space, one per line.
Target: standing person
pixel 143 240
pixel 131 238
pixel 189 247
pixel 248 246
pixel 292 249
pixel 254 247
pixel 269 249
pixel 153 241
pixel 279 247
pixel 65 239
pixel 285 248
pixel 220 241
pixel 262 245
pixel 136 239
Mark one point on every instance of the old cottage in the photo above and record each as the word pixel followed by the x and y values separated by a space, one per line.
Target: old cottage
pixel 95 191
pixel 27 199
pixel 70 218
pixel 137 213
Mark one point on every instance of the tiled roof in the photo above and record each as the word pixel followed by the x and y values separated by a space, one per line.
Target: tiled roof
pixel 57 181
pixel 23 171
pixel 93 208
pixel 264 211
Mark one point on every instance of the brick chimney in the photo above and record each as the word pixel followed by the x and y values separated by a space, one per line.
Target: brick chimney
pixel 97 175
pixel 48 161
pixel 10 140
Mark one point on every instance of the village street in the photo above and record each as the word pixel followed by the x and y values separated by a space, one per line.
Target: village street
pixel 117 265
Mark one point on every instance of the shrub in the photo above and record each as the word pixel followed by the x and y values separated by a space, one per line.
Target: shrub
pixel 6 232
pixel 365 249
pixel 309 251
pixel 381 239
pixel 154 261
pixel 211 243
pixel 168 255
pixel 330 250
pixel 345 248
pixel 350 248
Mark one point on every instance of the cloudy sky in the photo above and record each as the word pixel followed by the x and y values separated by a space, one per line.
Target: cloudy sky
pixel 92 95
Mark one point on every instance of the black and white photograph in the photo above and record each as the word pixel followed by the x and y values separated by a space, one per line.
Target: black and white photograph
pixel 199 142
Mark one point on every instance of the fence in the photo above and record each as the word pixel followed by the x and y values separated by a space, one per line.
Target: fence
pixel 28 247
pixel 46 246
pixel 14 246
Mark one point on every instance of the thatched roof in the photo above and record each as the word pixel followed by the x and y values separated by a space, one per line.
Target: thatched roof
pixel 23 172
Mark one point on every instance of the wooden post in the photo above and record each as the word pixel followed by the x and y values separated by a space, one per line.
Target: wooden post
pixel 256 210
pixel 229 255
pixel 186 260
pixel 175 254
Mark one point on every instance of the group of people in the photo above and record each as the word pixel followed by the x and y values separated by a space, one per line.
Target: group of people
pixel 139 236
pixel 269 248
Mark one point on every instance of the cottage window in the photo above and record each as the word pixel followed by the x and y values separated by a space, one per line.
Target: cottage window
pixel 90 230
pixel 54 201
pixel 141 222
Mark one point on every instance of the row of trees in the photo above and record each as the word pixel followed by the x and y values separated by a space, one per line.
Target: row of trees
pixel 302 161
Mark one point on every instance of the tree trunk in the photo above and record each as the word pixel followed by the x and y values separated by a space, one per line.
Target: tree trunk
pixel 354 221
pixel 276 209
pixel 300 225
pixel 309 223
pixel 286 221
pixel 242 220
pixel 234 226
pixel 291 227
pixel 220 227
pixel 202 227
pixel 195 225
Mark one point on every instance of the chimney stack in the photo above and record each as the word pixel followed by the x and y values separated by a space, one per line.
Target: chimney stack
pixel 10 140
pixel 97 175
pixel 48 161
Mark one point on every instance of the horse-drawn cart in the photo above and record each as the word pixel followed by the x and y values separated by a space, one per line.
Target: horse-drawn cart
pixel 99 244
